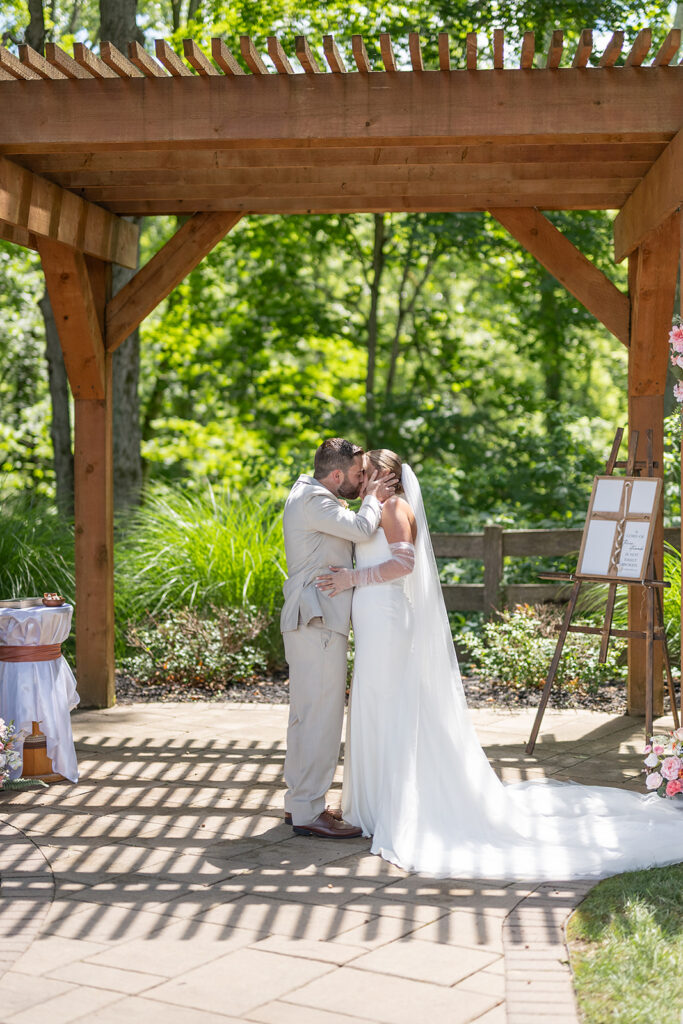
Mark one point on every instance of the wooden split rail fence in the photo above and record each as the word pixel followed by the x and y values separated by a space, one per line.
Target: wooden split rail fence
pixel 495 544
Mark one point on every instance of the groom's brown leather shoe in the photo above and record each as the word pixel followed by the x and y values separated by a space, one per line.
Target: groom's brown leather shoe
pixel 334 811
pixel 326 826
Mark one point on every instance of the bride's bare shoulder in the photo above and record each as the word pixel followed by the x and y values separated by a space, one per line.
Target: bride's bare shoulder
pixel 397 510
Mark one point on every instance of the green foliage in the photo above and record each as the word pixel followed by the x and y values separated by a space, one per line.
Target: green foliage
pixel 199 551
pixel 626 947
pixel 517 649
pixel 210 651
pixel 36 548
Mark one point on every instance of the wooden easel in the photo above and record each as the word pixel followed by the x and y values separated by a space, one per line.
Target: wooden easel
pixel 654 631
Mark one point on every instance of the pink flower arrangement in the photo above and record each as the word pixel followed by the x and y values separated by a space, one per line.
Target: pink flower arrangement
pixel 676 342
pixel 664 764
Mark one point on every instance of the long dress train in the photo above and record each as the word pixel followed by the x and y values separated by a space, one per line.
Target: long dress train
pixel 418 780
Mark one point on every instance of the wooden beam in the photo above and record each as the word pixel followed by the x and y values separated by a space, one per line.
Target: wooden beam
pixel 144 62
pixel 555 50
pixel 653 269
pixel 415 51
pixel 30 202
pixel 571 268
pixel 13 66
pixel 278 56
pixel 167 268
pixel 583 49
pixel 304 55
pixel 640 48
pixel 471 51
pixel 18 236
pixel 322 109
pixel 526 60
pixel 94 526
pixel 373 202
pixel 653 200
pixel 668 49
pixel 251 56
pixel 612 50
pixel 88 60
pixel 224 58
pixel 73 304
pixel 90 166
pixel 387 51
pixel 333 56
pixel 444 52
pixel 118 62
pixel 498 49
pixel 64 63
pixel 360 54
pixel 36 62
pixel 170 59
pixel 198 59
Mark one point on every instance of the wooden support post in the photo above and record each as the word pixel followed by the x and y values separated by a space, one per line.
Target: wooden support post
pixel 652 283
pixel 78 288
pixel 493 568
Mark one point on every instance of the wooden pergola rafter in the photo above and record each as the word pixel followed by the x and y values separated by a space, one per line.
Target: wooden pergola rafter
pixel 234 132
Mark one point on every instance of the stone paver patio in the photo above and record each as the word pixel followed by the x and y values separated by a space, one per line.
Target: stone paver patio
pixel 165 887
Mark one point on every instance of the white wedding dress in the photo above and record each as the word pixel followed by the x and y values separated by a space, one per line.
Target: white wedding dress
pixel 417 780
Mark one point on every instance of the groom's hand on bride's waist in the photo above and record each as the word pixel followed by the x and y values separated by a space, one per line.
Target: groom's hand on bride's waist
pixel 336 581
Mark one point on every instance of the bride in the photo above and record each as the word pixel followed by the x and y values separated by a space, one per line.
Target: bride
pixel 416 777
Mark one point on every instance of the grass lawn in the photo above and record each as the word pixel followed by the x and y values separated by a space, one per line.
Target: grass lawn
pixel 626 947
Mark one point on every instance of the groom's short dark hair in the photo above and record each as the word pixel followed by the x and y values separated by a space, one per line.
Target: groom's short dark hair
pixel 334 453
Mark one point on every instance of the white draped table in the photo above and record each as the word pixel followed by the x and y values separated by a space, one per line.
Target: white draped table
pixel 41 690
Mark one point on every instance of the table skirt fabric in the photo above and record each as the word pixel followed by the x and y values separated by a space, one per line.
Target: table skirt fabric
pixel 40 691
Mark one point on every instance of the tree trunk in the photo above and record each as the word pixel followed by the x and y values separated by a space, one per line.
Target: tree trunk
pixel 118 25
pixel 60 427
pixel 378 258
pixel 35 30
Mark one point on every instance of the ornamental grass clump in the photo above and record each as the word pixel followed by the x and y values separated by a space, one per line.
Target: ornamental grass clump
pixel 516 649
pixel 36 548
pixel 200 550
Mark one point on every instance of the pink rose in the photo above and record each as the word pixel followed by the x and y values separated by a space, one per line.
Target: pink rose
pixel 648 748
pixel 676 338
pixel 653 780
pixel 674 787
pixel 671 766
pixel 658 749
pixel 678 391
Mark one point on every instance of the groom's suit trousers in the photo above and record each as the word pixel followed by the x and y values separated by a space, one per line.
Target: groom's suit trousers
pixel 317 687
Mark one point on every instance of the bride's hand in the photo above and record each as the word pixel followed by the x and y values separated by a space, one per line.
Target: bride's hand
pixel 336 582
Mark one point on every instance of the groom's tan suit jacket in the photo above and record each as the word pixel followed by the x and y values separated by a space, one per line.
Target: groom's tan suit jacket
pixel 320 532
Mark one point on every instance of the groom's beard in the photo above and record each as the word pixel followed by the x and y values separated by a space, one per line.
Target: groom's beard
pixel 348 490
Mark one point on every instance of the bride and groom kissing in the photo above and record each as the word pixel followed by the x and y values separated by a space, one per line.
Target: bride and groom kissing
pixel 416 778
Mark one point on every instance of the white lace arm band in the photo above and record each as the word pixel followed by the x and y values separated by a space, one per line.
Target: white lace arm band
pixel 401 563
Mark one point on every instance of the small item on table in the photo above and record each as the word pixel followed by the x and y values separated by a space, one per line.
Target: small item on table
pixel 53 600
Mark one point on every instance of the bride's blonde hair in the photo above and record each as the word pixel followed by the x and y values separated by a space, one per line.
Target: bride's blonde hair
pixel 382 459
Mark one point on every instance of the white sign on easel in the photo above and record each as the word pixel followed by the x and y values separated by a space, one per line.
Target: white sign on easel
pixel 617 537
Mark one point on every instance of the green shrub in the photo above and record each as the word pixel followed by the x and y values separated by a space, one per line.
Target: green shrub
pixel 518 647
pixel 183 647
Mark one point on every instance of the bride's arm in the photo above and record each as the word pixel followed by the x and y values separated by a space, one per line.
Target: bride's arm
pixel 397 525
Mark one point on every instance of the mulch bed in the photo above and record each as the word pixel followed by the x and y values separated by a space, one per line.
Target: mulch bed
pixel 611 697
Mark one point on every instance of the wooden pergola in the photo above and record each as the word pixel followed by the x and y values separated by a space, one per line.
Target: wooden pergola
pixel 88 140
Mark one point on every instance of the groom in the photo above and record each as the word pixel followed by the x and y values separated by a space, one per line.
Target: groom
pixel 319 532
